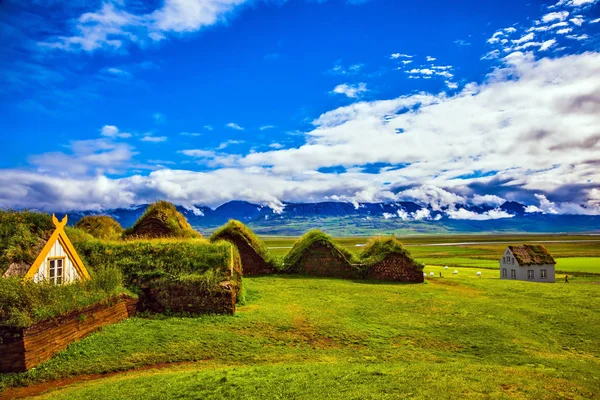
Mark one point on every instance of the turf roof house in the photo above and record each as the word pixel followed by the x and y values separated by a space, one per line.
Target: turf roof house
pixel 57 261
pixel 527 263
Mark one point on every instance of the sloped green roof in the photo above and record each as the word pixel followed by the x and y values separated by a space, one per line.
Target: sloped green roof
pixel 236 229
pixel 311 238
pixel 162 220
pixel 532 254
pixel 379 248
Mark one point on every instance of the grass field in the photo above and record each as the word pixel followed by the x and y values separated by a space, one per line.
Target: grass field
pixel 308 338
pixel 574 253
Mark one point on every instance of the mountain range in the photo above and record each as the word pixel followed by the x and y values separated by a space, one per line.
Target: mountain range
pixel 339 218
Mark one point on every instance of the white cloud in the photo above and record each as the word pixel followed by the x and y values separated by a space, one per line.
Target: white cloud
pixel 492 55
pixel 554 16
pixel 465 214
pixel 487 199
pixel 510 30
pixel 595 21
pixel 564 31
pixel 112 26
pixel 577 21
pixel 265 127
pixel 208 127
pixel 547 44
pixel 352 91
pixel 235 126
pixel 451 85
pixel 429 58
pixel 525 38
pixel 421 214
pixel 573 3
pixel 430 71
pixel 153 139
pixel 190 134
pixel 550 148
pixel 580 37
pixel 400 55
pixel 229 143
pixel 548 207
pixel 405 62
pixel 113 132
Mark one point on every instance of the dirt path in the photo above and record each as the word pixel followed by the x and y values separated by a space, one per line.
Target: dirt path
pixel 40 388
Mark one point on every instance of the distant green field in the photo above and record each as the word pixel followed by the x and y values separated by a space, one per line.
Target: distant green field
pixel 307 338
pixel 574 253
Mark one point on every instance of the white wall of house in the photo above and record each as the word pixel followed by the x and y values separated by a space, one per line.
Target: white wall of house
pixel 508 264
pixel 70 274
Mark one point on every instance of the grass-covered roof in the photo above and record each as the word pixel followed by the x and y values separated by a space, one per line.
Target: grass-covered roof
pixel 378 249
pixel 532 254
pixel 162 220
pixel 101 227
pixel 236 230
pixel 311 238
pixel 22 236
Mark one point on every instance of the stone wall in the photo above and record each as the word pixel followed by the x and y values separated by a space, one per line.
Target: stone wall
pixel 395 268
pixel 23 349
pixel 182 298
pixel 320 260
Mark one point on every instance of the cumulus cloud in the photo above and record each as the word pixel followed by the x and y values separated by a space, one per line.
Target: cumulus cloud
pixel 112 131
pixel 400 55
pixel 352 91
pixel 490 127
pixel 487 199
pixel 466 214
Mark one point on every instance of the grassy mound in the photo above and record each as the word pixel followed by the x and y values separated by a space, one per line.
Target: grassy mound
pixel 101 227
pixel 378 249
pixel 162 220
pixel 310 239
pixel 22 234
pixel 256 258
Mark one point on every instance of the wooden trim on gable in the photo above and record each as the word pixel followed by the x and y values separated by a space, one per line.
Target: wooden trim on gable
pixel 60 235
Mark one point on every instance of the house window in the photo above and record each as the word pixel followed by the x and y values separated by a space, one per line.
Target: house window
pixel 543 274
pixel 513 274
pixel 504 275
pixel 529 274
pixel 55 271
pixel 513 261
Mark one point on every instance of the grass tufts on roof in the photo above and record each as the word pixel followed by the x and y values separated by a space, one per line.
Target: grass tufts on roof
pixel 100 226
pixel 162 220
pixel 311 238
pixel 235 229
pixel 378 249
pixel 21 235
pixel 532 254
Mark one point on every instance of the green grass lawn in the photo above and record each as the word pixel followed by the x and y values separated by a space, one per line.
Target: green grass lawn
pixel 574 253
pixel 296 337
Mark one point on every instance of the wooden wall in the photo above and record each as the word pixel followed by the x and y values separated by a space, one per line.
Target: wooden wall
pixel 23 349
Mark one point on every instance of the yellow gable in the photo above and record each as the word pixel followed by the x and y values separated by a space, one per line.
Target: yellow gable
pixel 58 261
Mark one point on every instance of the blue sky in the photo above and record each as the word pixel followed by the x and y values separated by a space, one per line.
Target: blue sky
pixel 113 103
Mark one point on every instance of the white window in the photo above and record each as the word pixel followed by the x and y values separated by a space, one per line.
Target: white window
pixel 504 275
pixel 55 270
pixel 529 274
pixel 513 274
pixel 543 274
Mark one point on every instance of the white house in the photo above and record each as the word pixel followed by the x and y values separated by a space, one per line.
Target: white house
pixel 57 262
pixel 527 263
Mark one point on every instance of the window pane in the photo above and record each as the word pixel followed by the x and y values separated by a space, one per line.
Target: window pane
pixel 59 280
pixel 52 269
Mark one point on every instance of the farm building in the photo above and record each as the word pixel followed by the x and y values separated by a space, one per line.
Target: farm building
pixel 56 262
pixel 527 263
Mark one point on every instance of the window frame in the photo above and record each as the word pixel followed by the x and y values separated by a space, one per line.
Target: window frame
pixel 530 274
pixel 543 274
pixel 56 279
pixel 504 273
pixel 513 274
